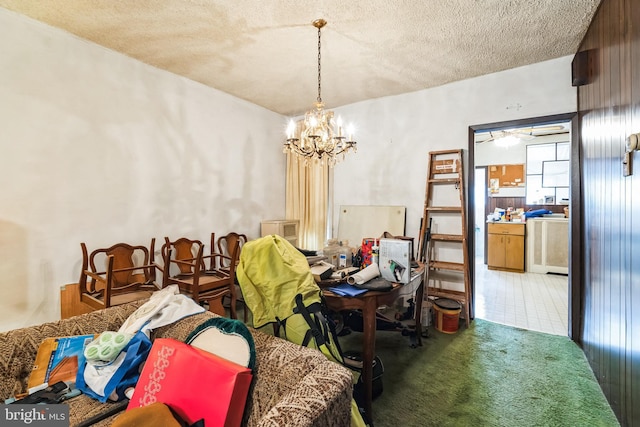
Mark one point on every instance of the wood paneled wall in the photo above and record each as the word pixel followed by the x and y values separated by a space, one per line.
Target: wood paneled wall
pixel 608 67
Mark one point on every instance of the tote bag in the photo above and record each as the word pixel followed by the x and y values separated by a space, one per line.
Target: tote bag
pixel 196 384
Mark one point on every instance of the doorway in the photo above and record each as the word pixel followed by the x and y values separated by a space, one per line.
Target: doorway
pixel 480 190
pixel 510 289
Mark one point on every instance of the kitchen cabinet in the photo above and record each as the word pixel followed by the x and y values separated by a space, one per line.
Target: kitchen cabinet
pixel 505 242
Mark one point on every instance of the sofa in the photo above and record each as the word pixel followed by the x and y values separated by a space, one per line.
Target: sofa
pixel 292 385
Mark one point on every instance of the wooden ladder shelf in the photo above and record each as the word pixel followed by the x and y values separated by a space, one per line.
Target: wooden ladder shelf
pixel 443 234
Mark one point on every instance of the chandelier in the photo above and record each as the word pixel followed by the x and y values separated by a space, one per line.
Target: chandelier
pixel 320 137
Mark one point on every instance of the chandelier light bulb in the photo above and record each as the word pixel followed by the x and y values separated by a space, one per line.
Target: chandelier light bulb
pixel 351 130
pixel 339 124
pixel 291 129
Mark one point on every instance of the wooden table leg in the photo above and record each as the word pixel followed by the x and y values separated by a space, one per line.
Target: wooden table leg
pixel 369 344
pixel 418 312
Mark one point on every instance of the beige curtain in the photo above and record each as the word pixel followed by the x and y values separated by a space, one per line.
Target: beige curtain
pixel 307 199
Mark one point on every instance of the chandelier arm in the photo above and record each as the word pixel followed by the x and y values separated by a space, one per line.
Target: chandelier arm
pixel 344 150
pixel 299 150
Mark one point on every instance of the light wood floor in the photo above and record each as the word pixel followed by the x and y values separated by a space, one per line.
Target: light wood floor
pixel 532 301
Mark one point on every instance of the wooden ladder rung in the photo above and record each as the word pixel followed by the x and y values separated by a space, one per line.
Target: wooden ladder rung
pixel 448 237
pixel 452 151
pixel 446 293
pixel 444 208
pixel 445 265
pixel 444 181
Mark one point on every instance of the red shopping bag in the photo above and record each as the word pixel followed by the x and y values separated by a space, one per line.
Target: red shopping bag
pixel 195 383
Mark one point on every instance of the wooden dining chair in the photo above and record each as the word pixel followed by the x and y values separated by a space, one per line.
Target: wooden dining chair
pixel 224 244
pixel 198 274
pixel 129 274
pixel 228 241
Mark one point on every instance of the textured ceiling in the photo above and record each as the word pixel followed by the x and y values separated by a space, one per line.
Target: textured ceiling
pixel 266 51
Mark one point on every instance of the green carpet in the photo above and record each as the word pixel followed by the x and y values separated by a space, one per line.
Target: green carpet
pixel 487 375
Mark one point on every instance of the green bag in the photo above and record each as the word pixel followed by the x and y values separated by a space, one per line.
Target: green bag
pixel 310 326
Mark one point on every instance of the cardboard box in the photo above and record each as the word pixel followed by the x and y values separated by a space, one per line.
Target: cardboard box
pixel 395 260
pixel 321 271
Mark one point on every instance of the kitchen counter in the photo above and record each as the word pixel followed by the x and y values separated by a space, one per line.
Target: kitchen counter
pixel 554 217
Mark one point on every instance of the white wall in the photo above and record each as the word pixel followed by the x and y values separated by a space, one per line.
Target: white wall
pixel 395 134
pixel 100 148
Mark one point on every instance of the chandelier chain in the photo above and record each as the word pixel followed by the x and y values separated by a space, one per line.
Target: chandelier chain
pixel 319 75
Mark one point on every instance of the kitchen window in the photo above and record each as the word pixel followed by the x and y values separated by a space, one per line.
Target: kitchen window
pixel 547 170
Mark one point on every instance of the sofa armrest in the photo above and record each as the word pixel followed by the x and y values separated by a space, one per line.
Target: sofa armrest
pixel 297 386
pixel 18 348
pixel 321 399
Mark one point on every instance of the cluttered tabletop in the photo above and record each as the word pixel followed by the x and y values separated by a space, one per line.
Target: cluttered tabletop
pixel 379 265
